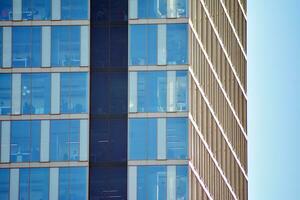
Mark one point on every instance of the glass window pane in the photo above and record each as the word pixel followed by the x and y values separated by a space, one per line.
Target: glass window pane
pixel 24 184
pixel 63 183
pixel 137 139
pixel 36 93
pixel 4 184
pixel 74 9
pixel 65 46
pixel 6 10
pixel 74 139
pixel 138 47
pixel 36 9
pixel 182 182
pixel 177 138
pixel 5 94
pixel 151 91
pixel 181 8
pixel 152 183
pixel 74 93
pixel 181 91
pixel 35 140
pixel 1 46
pixel 78 183
pixel 39 183
pixel 59 140
pixel 152 8
pixel 26 46
pixel 177 44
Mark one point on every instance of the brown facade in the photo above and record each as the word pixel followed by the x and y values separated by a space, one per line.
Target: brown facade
pixel 218 100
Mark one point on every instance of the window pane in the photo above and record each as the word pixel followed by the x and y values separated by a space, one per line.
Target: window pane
pixel 35 140
pixel 177 44
pixel 4 184
pixel 65 46
pixel 78 183
pixel 39 183
pixel 74 139
pixel 63 183
pixel 182 7
pixel 24 184
pixel 74 93
pixel 26 46
pixel 36 9
pixel 137 139
pixel 181 182
pixel 36 93
pixel 74 9
pixel 59 140
pixel 1 45
pixel 6 10
pixel 152 8
pixel 181 91
pixel 177 134
pixel 152 183
pixel 5 94
pixel 151 91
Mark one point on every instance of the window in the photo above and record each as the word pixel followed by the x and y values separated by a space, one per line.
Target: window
pixel 143 45
pixel 182 182
pixel 26 46
pixel 152 8
pixel 65 46
pixel 34 183
pixel 142 139
pixel 25 141
pixel 73 183
pixel 151 91
pixel 74 93
pixel 5 94
pixel 177 138
pixel 64 140
pixel 74 9
pixel 36 93
pixel 36 9
pixel 177 44
pixel 6 10
pixel 1 46
pixel 181 91
pixel 4 184
pixel 152 182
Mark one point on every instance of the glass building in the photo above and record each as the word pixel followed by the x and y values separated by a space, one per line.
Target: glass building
pixel 123 99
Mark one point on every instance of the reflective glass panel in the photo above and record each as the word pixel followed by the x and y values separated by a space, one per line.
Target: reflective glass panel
pixel 4 184
pixel 177 44
pixel 5 94
pixel 152 8
pixel 152 183
pixel 65 46
pixel 6 10
pixel 177 138
pixel 74 93
pixel 25 141
pixel 74 9
pixel 151 91
pixel 1 46
pixel 182 182
pixel 36 9
pixel 39 183
pixel 36 93
pixel 26 46
pixel 181 91
pixel 24 178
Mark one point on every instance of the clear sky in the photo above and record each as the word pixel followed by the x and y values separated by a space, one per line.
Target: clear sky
pixel 274 99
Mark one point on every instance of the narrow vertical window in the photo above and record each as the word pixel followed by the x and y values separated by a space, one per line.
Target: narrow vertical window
pixel 5 94
pixel 4 184
pixel 6 10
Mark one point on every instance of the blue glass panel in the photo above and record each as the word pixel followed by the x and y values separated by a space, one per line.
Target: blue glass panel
pixel 177 44
pixel 64 140
pixel 36 9
pixel 182 182
pixel 4 184
pixel 25 141
pixel 108 182
pixel 36 93
pixel 78 183
pixel 142 139
pixel 152 183
pixel 181 91
pixel 24 184
pixel 151 91
pixel 5 94
pixel 1 46
pixel 74 93
pixel 182 8
pixel 152 8
pixel 74 9
pixel 177 138
pixel 73 183
pixel 100 11
pixel 143 46
pixel 26 47
pixel 118 45
pixel 108 140
pixel 6 10
pixel 39 184
pixel 65 46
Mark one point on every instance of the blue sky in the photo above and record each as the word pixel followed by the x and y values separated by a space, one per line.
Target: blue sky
pixel 274 99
